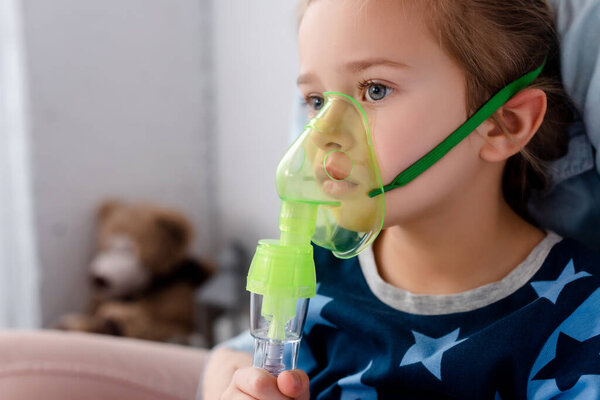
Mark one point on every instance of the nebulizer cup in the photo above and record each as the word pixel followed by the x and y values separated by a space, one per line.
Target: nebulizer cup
pixel 282 279
pixel 324 181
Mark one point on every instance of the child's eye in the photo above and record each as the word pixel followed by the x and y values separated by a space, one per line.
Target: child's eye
pixel 375 91
pixel 315 102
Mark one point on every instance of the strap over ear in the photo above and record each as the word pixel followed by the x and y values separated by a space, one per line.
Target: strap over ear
pixel 462 132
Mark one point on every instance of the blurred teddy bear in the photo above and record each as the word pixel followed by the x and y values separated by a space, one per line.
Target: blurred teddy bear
pixel 143 280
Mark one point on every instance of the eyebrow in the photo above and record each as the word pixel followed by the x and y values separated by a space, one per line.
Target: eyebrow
pixel 357 66
pixel 305 78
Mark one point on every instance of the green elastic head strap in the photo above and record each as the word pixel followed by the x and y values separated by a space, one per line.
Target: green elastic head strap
pixel 462 132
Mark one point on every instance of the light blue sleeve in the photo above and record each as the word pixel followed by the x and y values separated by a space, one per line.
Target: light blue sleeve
pixel 578 24
pixel 242 342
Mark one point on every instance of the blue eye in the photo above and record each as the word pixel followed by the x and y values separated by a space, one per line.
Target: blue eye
pixel 376 92
pixel 315 103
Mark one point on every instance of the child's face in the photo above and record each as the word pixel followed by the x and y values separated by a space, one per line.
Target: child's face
pixel 414 94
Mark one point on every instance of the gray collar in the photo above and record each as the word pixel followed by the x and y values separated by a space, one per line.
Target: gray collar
pixel 469 300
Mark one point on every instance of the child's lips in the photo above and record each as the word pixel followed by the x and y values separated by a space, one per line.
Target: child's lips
pixel 338 189
pixel 334 188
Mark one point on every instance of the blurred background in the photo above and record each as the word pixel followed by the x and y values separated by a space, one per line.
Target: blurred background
pixel 182 103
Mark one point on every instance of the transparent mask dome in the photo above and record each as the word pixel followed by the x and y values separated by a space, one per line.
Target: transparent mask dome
pixel 332 164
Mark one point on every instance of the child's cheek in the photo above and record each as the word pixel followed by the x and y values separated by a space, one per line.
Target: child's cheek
pixel 399 141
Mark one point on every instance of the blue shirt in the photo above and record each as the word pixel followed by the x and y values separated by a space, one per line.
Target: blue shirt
pixel 534 335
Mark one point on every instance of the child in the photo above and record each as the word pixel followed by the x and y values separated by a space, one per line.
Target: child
pixel 460 296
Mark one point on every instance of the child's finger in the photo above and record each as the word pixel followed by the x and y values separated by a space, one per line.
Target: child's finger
pixel 294 384
pixel 234 394
pixel 257 383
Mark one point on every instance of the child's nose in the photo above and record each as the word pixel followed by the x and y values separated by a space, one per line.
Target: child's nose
pixel 332 132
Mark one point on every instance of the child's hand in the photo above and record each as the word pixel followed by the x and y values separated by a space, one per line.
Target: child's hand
pixel 255 383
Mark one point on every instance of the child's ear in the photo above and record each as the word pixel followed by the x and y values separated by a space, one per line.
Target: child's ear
pixel 521 117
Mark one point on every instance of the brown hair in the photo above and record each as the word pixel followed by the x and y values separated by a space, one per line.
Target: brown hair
pixel 496 42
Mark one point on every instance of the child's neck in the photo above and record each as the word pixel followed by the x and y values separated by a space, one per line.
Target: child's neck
pixel 457 254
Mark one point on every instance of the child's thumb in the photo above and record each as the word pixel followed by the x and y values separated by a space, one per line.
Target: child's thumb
pixel 294 384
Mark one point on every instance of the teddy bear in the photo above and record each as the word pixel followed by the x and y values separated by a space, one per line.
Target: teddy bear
pixel 143 281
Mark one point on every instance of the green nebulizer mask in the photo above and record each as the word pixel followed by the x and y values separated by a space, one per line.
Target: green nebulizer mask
pixel 332 195
pixel 323 180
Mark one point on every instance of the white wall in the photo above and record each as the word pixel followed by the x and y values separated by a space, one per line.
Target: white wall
pixel 116 103
pixel 122 104
pixel 256 67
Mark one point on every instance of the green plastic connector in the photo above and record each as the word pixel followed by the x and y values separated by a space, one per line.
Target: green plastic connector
pixel 283 271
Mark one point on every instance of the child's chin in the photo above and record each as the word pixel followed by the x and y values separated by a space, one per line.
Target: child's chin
pixel 353 221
